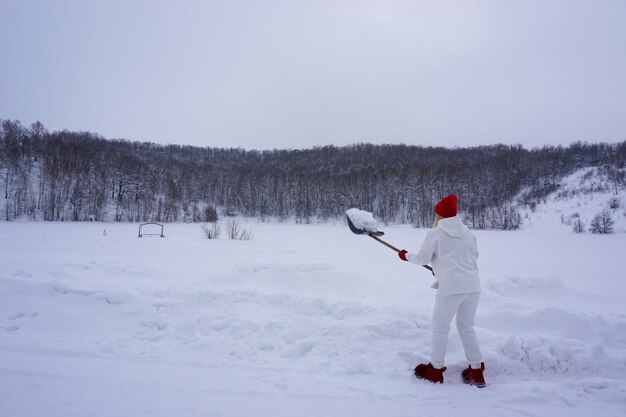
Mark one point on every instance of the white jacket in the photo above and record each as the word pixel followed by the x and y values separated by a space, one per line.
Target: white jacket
pixel 452 251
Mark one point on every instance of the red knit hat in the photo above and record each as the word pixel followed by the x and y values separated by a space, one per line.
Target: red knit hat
pixel 447 206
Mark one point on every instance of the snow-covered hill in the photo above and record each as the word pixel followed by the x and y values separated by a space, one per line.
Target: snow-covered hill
pixel 303 320
pixel 581 195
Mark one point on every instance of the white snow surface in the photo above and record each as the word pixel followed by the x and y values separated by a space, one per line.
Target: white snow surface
pixel 303 320
pixel 362 219
pixel 583 195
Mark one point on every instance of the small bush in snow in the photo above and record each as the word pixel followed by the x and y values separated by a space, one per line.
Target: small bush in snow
pixel 602 223
pixel 234 231
pixel 578 225
pixel 614 203
pixel 212 231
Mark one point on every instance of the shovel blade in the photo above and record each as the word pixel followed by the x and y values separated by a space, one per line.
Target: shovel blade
pixel 358 231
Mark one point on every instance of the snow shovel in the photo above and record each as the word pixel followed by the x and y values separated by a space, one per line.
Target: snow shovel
pixel 375 235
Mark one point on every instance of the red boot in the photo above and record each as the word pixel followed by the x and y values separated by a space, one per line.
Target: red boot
pixel 434 375
pixel 474 376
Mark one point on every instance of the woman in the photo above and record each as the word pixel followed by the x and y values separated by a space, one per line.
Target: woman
pixel 452 250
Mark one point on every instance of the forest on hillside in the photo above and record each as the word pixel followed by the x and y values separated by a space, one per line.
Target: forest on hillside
pixel 80 176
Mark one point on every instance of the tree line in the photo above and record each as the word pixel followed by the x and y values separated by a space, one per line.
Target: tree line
pixel 80 176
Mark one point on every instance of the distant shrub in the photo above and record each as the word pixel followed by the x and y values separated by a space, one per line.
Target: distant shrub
pixel 614 203
pixel 578 225
pixel 602 223
pixel 210 214
pixel 212 231
pixel 234 231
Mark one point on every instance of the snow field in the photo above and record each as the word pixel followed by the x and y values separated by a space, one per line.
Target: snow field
pixel 584 193
pixel 301 320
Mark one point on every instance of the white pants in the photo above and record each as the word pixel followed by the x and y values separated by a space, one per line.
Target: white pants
pixel 446 306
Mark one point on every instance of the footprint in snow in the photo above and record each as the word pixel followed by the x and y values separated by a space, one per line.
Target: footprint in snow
pixel 14 319
pixel 10 328
pixel 16 316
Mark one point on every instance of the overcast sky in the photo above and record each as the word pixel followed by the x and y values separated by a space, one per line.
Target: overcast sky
pixel 292 74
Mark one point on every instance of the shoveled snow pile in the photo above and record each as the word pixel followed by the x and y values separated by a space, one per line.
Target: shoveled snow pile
pixel 303 320
pixel 362 220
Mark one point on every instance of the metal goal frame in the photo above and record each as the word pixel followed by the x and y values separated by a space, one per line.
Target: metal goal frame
pixel 141 234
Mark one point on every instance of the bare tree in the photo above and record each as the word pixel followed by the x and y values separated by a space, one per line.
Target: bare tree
pixel 602 223
pixel 234 231
pixel 578 225
pixel 212 231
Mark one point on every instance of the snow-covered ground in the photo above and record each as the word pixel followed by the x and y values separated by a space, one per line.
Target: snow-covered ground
pixel 303 320
pixel 583 195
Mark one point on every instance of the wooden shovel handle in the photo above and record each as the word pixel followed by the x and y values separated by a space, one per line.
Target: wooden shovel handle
pixel 385 243
pixel 396 249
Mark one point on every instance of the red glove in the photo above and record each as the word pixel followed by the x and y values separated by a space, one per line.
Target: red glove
pixel 402 255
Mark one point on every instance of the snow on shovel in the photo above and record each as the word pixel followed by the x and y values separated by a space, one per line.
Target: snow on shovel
pixel 363 223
